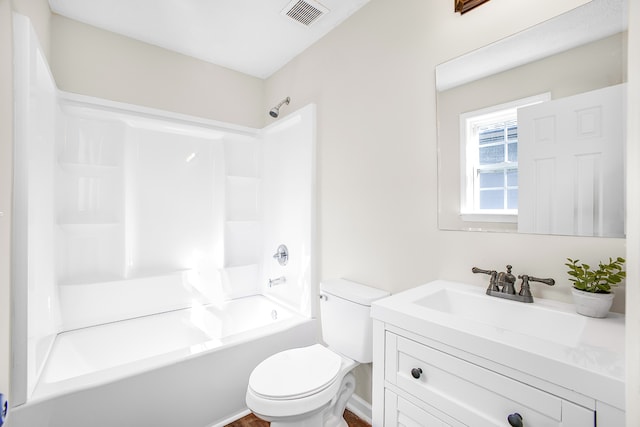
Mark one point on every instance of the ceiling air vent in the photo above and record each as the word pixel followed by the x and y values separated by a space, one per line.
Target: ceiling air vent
pixel 306 12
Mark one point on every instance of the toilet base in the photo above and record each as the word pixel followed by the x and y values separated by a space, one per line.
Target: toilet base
pixel 312 421
pixel 330 415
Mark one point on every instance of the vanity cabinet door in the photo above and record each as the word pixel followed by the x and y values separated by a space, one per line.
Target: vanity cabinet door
pixel 469 393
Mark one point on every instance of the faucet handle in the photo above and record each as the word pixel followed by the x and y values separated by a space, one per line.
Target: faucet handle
pixel 282 255
pixel 525 292
pixel 549 281
pixel 524 287
pixel 493 286
pixel 479 270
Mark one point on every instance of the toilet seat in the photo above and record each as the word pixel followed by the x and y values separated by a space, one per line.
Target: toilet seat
pixel 295 373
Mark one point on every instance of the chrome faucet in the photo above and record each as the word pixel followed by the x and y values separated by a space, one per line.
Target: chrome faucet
pixel 502 285
pixel 277 281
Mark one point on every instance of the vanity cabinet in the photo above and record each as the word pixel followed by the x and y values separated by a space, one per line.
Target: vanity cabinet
pixel 430 387
pixel 431 369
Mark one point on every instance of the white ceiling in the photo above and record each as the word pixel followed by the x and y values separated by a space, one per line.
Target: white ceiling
pixel 250 36
pixel 592 21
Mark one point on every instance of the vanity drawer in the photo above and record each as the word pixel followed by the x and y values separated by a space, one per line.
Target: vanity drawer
pixel 399 411
pixel 473 395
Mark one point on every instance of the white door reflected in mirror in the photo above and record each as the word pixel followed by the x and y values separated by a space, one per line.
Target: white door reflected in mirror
pixel 571 176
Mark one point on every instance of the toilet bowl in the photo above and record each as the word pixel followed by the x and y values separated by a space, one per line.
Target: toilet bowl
pixel 297 384
pixel 310 386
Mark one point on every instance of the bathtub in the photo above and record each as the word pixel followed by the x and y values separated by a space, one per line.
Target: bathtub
pixel 183 368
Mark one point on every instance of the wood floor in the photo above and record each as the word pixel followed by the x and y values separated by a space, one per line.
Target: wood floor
pixel 253 421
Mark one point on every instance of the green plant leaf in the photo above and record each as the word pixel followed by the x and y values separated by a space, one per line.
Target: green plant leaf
pixel 598 280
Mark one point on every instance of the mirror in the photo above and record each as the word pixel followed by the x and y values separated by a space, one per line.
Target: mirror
pixel 582 51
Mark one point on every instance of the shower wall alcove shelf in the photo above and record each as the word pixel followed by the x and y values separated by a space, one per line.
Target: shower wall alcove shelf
pixel 89 200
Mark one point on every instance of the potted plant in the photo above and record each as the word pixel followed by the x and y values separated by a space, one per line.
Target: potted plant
pixel 591 290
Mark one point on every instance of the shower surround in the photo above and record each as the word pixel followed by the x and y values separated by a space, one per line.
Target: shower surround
pixel 123 211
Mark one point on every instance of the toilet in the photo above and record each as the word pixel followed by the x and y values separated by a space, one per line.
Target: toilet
pixel 310 386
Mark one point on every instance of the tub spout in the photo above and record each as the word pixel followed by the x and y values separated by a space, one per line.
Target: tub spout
pixel 277 281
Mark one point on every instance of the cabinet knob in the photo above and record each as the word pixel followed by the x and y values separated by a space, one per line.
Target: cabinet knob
pixel 416 373
pixel 515 420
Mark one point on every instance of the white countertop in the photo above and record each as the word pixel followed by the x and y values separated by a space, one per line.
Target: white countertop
pixel 546 339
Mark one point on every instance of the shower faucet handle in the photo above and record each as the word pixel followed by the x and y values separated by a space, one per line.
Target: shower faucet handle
pixel 282 255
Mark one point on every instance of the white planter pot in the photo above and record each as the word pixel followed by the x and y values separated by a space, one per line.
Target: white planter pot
pixel 592 304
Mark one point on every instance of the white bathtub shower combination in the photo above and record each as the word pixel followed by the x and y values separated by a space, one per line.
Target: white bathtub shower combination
pixel 143 252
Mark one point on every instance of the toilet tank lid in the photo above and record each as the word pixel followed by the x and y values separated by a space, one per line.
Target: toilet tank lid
pixel 352 291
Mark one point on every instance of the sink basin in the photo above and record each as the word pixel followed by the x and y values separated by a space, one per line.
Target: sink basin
pixel 531 319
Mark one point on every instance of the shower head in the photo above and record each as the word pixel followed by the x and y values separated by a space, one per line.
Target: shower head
pixel 275 111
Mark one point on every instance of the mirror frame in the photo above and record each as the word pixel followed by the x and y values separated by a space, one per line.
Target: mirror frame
pixel 464 6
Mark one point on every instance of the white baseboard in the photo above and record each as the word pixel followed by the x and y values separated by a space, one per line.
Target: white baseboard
pixel 233 418
pixel 360 407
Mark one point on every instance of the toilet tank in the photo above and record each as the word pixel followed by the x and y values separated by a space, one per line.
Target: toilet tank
pixel 345 314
